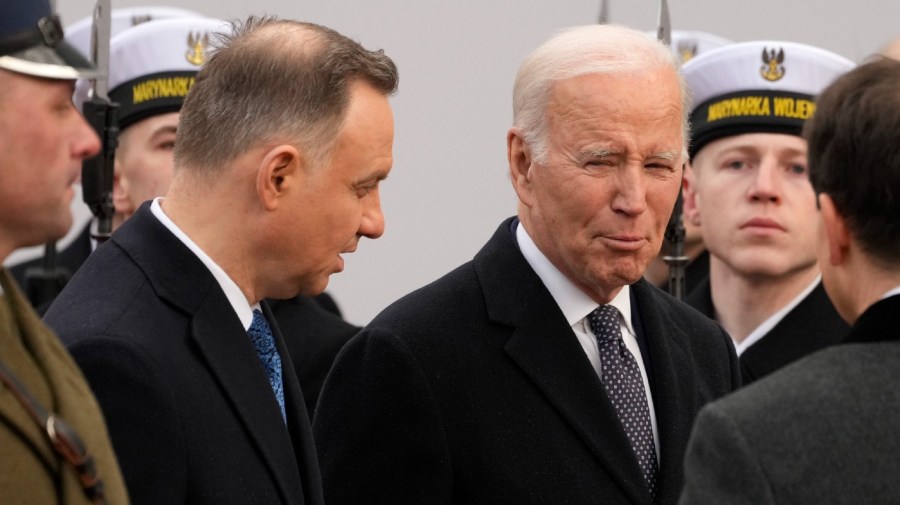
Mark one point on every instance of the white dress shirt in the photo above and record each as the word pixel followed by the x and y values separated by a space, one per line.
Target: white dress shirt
pixel 576 306
pixel 893 292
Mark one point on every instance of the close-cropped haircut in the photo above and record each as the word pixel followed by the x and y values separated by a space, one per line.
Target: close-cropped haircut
pixel 854 155
pixel 274 80
pixel 584 50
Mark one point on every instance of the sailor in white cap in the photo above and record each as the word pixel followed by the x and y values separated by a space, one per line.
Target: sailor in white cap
pixel 152 68
pixel 54 443
pixel 747 187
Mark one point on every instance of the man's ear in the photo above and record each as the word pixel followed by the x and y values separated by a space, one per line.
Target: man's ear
pixel 120 196
pixel 279 171
pixel 690 199
pixel 836 231
pixel 519 154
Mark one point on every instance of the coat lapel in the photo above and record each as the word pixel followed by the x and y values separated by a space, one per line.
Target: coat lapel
pixel 298 421
pixel 671 383
pixel 227 350
pixel 543 345
pixel 223 345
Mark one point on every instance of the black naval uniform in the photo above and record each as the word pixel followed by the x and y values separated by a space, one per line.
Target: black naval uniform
pixel 812 325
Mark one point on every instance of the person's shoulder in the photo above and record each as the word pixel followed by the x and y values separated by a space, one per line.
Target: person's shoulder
pixel 441 300
pixel 826 381
pixel 107 296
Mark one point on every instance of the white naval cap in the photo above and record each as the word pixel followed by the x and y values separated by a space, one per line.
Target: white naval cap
pixel 762 86
pixel 78 34
pixel 153 65
pixel 687 44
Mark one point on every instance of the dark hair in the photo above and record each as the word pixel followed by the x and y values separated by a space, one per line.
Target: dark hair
pixel 854 154
pixel 274 79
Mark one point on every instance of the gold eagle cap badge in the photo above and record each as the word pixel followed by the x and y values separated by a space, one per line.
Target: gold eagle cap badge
pixel 197 44
pixel 687 51
pixel 773 69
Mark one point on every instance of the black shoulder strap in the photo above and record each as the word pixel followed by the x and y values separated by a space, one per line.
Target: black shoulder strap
pixel 62 437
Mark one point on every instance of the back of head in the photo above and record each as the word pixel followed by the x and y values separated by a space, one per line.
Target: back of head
pixel 592 49
pixel 854 154
pixel 274 80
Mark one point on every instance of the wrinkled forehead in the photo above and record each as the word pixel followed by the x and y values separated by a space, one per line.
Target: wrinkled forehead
pixel 647 103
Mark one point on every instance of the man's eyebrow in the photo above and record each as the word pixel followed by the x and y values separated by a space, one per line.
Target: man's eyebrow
pixel 377 177
pixel 598 153
pixel 164 129
pixel 666 155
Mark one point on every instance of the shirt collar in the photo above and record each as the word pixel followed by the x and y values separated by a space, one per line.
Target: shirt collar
pixel 574 303
pixel 893 292
pixel 234 294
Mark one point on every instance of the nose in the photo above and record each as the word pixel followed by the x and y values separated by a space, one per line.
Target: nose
pixel 86 143
pixel 766 184
pixel 372 224
pixel 631 191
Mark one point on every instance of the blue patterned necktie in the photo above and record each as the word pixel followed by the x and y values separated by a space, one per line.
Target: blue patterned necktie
pixel 264 342
pixel 622 379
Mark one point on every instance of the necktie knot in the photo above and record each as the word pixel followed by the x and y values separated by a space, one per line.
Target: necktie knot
pixel 264 341
pixel 604 321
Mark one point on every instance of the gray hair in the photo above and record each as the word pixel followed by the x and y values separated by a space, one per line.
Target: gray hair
pixel 274 79
pixel 592 49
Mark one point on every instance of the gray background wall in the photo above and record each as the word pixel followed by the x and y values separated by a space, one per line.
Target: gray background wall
pixel 457 58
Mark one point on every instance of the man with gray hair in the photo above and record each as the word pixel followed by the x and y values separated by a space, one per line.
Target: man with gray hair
pixel 545 370
pixel 282 143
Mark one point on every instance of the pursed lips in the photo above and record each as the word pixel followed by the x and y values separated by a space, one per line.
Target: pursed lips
pixel 624 241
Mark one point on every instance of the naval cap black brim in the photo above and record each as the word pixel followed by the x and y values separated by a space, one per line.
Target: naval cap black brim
pixel 41 52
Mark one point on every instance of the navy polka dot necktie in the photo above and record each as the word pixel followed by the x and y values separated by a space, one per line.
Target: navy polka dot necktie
pixel 264 342
pixel 622 379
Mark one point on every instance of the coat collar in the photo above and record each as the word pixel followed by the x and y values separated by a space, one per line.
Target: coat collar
pixel 878 323
pixel 673 381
